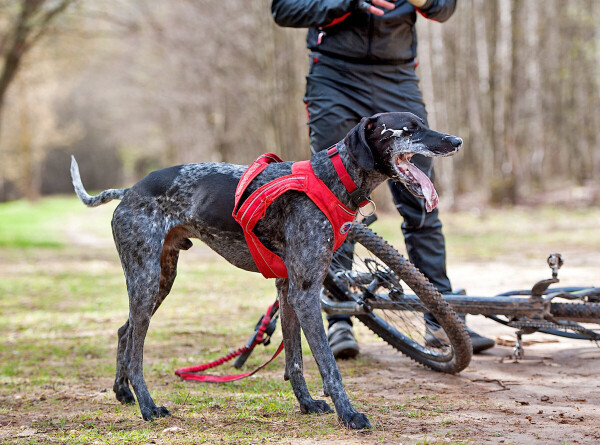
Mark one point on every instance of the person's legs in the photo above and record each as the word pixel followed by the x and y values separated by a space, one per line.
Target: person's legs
pixel 422 230
pixel 336 99
pixel 338 95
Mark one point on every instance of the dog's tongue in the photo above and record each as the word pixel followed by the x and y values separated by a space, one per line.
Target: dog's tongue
pixel 429 193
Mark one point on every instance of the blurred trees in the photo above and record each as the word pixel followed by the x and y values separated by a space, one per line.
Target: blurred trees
pixel 134 85
pixel 520 82
pixel 22 25
pixel 157 83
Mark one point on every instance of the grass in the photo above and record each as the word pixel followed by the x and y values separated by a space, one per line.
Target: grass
pixel 59 312
pixel 61 305
pixel 36 225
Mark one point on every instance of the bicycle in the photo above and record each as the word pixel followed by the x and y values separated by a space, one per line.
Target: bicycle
pixel 366 282
pixel 356 283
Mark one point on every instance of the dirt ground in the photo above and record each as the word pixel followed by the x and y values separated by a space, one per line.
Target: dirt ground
pixel 552 396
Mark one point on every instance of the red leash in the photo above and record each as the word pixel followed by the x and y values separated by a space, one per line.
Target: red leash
pixel 191 372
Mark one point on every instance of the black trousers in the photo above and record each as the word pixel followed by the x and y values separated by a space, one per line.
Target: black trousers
pixel 338 94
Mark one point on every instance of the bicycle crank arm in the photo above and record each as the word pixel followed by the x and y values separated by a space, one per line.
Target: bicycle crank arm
pixel 333 307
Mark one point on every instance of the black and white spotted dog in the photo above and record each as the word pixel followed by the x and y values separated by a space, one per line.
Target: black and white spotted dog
pixel 157 217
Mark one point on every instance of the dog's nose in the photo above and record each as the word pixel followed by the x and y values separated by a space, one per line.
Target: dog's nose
pixel 456 142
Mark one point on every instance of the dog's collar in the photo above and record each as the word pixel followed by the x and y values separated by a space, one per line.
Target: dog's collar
pixel 357 198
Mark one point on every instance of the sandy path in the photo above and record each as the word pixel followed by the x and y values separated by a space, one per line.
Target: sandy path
pixel 552 396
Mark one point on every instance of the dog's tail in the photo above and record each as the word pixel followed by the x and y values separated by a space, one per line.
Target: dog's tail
pixel 89 200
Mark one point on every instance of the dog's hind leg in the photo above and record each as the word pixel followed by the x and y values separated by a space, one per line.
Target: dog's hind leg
pixel 139 321
pixel 121 386
pixel 175 240
pixel 150 268
pixel 293 354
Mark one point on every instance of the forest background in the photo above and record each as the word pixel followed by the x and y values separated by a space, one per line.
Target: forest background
pixel 129 86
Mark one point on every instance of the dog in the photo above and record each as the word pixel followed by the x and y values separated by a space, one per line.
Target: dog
pixel 157 217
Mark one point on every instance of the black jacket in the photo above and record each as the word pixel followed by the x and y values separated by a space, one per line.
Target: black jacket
pixel 339 29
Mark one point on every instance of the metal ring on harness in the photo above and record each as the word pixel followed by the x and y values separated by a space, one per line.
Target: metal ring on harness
pixel 372 212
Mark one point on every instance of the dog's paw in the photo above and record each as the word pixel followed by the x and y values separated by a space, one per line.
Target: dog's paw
pixel 316 407
pixel 125 396
pixel 356 421
pixel 161 411
pixel 154 412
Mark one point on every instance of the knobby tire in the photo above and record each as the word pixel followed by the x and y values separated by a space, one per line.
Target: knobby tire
pixel 579 312
pixel 585 315
pixel 457 355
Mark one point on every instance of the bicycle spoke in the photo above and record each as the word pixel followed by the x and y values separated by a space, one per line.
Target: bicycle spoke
pixel 372 281
pixel 372 275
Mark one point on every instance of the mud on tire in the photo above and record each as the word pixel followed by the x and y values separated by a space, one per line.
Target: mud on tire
pixel 368 266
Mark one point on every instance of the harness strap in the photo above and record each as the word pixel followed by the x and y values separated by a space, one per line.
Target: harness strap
pixel 346 179
pixel 254 208
pixel 191 372
pixel 252 172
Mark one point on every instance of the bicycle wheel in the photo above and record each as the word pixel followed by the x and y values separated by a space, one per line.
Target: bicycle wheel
pixel 577 316
pixel 577 320
pixel 372 272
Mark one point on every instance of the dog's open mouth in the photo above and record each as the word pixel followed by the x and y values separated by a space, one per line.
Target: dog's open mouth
pixel 416 181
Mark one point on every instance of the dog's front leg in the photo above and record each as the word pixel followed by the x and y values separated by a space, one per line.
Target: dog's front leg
pixel 293 354
pixel 303 298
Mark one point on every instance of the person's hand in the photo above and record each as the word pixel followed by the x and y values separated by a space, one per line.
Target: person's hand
pixel 376 7
pixel 417 3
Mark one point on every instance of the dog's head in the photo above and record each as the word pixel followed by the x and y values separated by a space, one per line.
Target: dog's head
pixel 386 142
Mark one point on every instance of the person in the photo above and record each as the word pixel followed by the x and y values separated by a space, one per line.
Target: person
pixel 362 62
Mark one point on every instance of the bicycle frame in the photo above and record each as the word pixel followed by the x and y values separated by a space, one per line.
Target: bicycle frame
pixel 530 307
pixel 463 304
pixel 528 311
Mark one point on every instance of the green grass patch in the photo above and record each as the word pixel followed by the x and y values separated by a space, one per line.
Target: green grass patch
pixel 61 305
pixel 40 224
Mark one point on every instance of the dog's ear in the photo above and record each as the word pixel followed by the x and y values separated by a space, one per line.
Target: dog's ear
pixel 357 145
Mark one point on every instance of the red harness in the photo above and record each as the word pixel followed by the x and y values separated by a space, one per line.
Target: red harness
pixel 303 179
